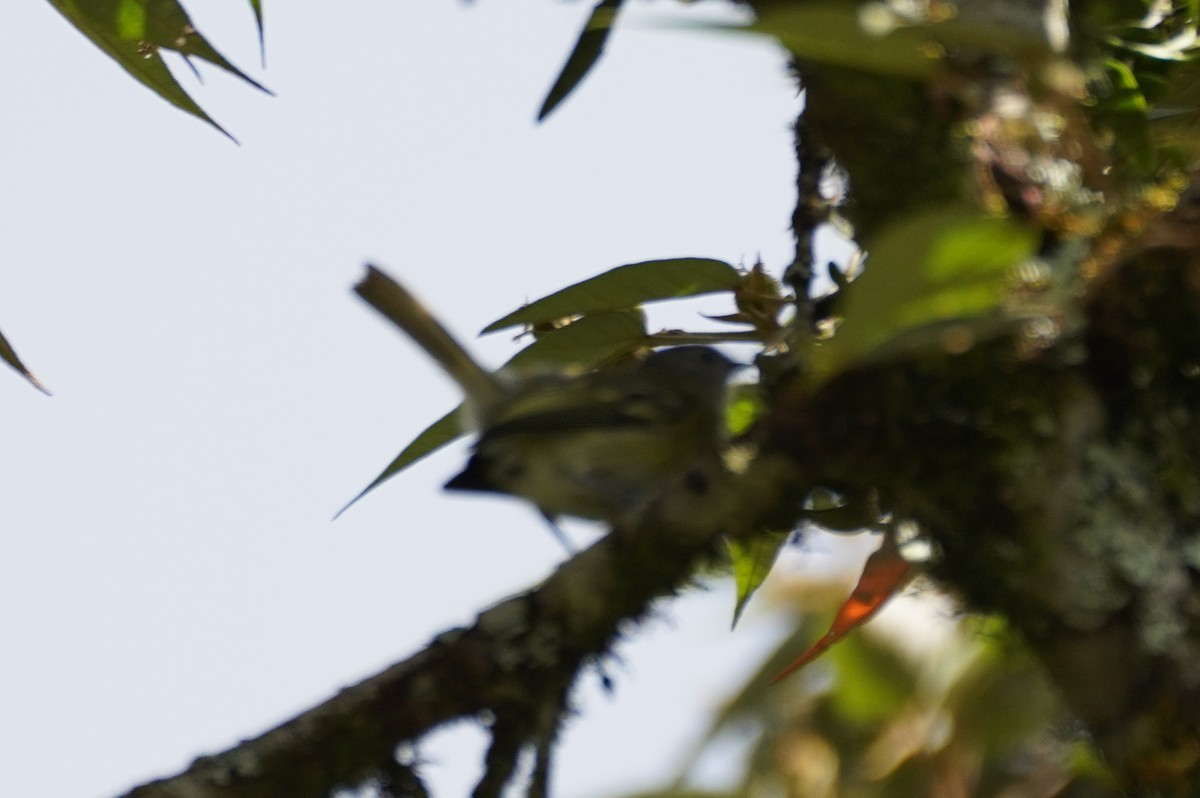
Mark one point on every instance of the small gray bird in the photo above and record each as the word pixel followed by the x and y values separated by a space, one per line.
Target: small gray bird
pixel 599 444
pixel 596 445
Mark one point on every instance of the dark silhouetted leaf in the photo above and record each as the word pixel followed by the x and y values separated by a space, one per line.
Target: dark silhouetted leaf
pixel 626 287
pixel 9 356
pixel 258 20
pixel 588 49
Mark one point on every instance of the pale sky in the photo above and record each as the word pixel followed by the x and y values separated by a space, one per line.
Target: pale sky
pixel 171 581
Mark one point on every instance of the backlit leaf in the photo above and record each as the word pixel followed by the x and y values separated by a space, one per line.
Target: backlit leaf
pixel 752 561
pixel 885 573
pixel 744 406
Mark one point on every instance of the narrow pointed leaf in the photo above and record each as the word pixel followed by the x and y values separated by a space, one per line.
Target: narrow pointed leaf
pixel 626 287
pixel 752 561
pixel 258 19
pixel 438 434
pixel 9 356
pixel 167 25
pixel 145 65
pixel 133 32
pixel 194 44
pixel 885 573
pixel 588 49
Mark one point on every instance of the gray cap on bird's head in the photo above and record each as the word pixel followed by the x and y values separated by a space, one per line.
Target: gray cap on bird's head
pixel 700 367
pixel 693 360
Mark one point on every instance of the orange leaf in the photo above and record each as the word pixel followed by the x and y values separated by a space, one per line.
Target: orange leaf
pixel 883 575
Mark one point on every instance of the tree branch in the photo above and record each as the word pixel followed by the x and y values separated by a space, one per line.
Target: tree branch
pixel 518 661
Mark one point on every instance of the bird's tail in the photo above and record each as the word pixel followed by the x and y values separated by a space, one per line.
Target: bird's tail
pixel 393 301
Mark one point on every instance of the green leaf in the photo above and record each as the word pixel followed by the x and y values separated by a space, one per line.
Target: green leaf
pixel 834 33
pixel 752 561
pixel 626 287
pixel 999 671
pixel 583 344
pixel 445 430
pixel 588 49
pixel 874 679
pixel 9 356
pixel 744 407
pixel 934 269
pixel 133 32
pixel 871 37
pixel 1127 95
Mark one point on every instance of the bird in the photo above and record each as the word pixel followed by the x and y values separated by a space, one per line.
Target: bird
pixel 596 445
pixel 599 444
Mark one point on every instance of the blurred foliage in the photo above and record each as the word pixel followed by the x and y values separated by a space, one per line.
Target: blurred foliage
pixel 1146 96
pixel 922 701
pixel 946 271
pixel 834 33
pixel 256 5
